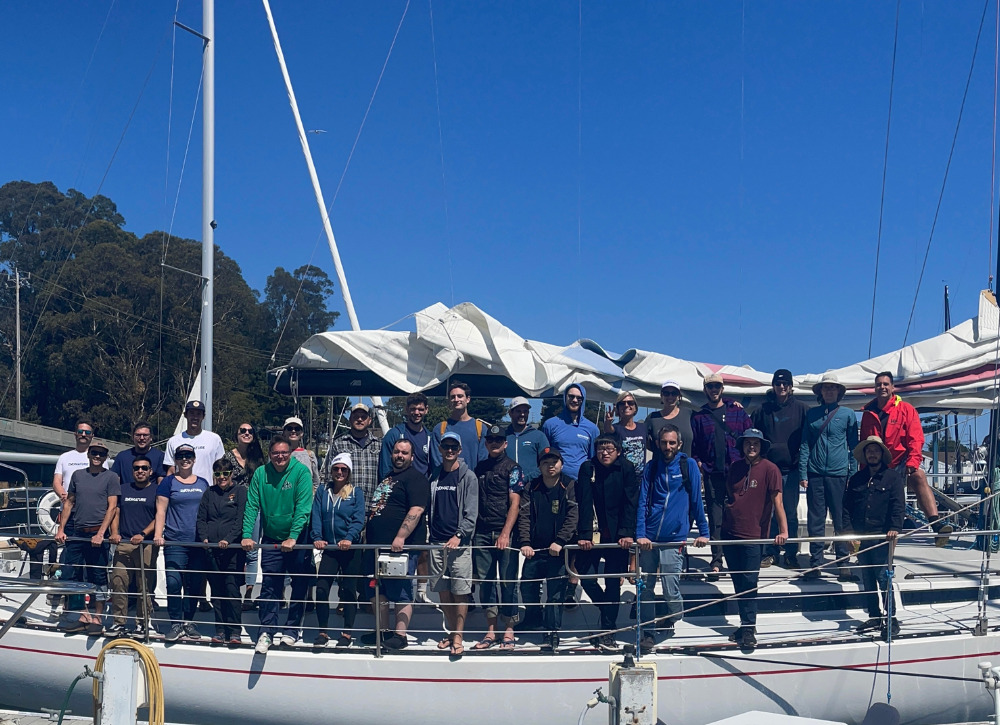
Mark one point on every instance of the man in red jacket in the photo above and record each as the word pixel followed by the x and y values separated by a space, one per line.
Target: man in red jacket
pixel 898 424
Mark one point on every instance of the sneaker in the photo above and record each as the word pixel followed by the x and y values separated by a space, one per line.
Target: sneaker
pixel 322 640
pixel 894 628
pixel 812 574
pixel 234 640
pixel 766 562
pixel 288 639
pixel 368 640
pixel 790 562
pixel 941 526
pixel 117 631
pixel 204 606
pixel 344 641
pixel 394 642
pixel 175 633
pixel 551 642
pixel 607 643
pixel 139 631
pixel 647 644
pixel 748 642
pixel 713 575
pixel 263 644
pixel 869 625
pixel 570 601
pixel 191 631
pixel 736 635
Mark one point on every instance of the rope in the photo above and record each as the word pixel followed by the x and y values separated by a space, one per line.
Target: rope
pixel 885 167
pixel 444 186
pixel 154 680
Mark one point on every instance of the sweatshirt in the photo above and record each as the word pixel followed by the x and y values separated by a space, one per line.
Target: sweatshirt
pixel 574 439
pixel 548 515
pixel 666 506
pixel 467 495
pixel 284 501
pixel 336 519
pixel 220 514
pixel 783 425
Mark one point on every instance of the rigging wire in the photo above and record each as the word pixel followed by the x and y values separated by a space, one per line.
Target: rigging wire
pixel 444 185
pixel 947 168
pixel 993 165
pixel 579 162
pixel 885 168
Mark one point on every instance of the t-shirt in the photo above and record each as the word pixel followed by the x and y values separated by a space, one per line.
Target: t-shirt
pixel 208 449
pixel 90 492
pixel 136 509
pixel 421 448
pixel 182 511
pixel 749 502
pixel 394 496
pixel 444 522
pixel 124 460
pixel 473 448
pixel 308 459
pixel 655 423
pixel 72 461
pixel 633 444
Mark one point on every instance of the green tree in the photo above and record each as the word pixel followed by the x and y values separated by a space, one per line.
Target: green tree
pixel 297 302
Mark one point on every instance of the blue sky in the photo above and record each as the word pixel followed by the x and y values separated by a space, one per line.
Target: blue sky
pixel 725 181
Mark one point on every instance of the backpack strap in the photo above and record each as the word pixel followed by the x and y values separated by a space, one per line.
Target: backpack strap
pixel 479 428
pixel 444 427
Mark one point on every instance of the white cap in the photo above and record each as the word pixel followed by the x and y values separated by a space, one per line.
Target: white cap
pixel 519 400
pixel 294 420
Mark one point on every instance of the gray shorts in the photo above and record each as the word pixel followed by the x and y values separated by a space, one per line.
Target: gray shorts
pixel 451 570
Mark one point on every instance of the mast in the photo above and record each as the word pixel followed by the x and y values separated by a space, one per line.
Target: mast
pixel 208 209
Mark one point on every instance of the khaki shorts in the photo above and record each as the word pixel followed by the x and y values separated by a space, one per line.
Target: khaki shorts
pixel 451 570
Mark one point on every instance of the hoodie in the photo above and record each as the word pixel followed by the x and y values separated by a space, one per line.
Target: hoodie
pixel 783 424
pixel 336 519
pixel 573 439
pixel 467 496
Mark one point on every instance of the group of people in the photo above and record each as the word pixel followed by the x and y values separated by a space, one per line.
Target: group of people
pixel 487 498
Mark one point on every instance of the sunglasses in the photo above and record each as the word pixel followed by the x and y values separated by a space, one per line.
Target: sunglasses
pixel 782 384
pixel 574 397
pixel 246 430
pixel 141 468
pixel 344 470
pixel 82 432
pixel 293 428
pixel 627 404
pixel 450 447
pixel 280 454
pixel 671 393
pixel 184 457
pixel 713 386
pixel 222 474
pixel 97 454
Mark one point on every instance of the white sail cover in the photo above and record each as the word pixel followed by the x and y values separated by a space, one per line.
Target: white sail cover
pixel 954 371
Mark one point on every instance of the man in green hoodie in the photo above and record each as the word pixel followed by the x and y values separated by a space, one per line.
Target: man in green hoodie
pixel 281 492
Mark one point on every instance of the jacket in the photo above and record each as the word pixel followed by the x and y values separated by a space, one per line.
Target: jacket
pixel 703 429
pixel 548 515
pixel 574 439
pixel 783 424
pixel 337 519
pixel 498 477
pixel 827 447
pixel 523 447
pixel 284 501
pixel 468 500
pixel 220 514
pixel 874 504
pixel 613 492
pixel 666 505
pixel 903 435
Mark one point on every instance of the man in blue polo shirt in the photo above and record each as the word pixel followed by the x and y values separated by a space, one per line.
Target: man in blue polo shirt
pixel 142 445
pixel 524 441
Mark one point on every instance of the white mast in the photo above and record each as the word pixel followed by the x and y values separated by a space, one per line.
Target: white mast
pixel 208 208
pixel 318 191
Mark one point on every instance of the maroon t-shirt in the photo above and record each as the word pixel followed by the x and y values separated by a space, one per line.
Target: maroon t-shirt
pixel 749 503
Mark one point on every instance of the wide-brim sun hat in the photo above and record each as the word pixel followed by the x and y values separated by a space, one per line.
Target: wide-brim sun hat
pixel 754 434
pixel 859 450
pixel 829 378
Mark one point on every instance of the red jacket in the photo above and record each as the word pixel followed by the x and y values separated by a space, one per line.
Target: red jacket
pixel 903 434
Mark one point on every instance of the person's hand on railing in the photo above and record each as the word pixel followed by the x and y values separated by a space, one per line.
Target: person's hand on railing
pixel 319 544
pixel 97 539
pixel 890 535
pixel 527 551
pixel 398 543
pixel 804 483
pixel 780 539
pixel 644 543
pixel 343 544
pixel 701 541
pixel 247 544
pixel 115 538
pixel 223 544
pixel 585 544
pixel 137 539
pixel 453 542
pixel 503 541
pixel 626 542
pixel 555 549
pixel 158 540
pixel 288 545
pixel 60 537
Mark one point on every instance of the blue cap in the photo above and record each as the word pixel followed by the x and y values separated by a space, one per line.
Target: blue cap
pixel 451 436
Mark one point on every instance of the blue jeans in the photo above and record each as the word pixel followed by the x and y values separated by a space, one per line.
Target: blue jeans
pixel 491 564
pixel 669 562
pixel 185 567
pixel 551 569
pixel 743 561
pixel 875 575
pixel 790 503
pixel 89 564
pixel 825 492
pixel 275 565
pixel 253 560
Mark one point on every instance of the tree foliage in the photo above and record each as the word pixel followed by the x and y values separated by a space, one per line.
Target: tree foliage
pixel 111 321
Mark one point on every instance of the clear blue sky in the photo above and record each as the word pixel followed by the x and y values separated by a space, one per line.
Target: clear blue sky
pixel 729 170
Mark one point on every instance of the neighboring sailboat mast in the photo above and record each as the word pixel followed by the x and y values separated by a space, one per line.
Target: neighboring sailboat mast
pixel 208 209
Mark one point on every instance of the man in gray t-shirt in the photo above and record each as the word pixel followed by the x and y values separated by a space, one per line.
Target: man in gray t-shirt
pixel 92 499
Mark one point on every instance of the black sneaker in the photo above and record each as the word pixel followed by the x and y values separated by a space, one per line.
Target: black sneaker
pixel 766 562
pixel 941 526
pixel 748 642
pixel 395 642
pixel 736 635
pixel 117 631
pixel 551 642
pixel 369 639
pixel 869 625
pixel 790 562
pixel 812 575
pixel 846 575
pixel 647 644
pixel 175 633
pixel 191 631
pixel 893 627
pixel 607 643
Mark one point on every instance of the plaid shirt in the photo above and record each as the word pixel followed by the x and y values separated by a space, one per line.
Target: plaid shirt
pixel 703 428
pixel 364 461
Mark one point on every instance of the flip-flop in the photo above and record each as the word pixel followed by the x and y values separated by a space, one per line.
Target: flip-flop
pixel 457 649
pixel 485 643
pixel 445 643
pixel 508 644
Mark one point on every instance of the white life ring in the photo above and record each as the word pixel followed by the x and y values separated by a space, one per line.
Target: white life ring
pixel 43 513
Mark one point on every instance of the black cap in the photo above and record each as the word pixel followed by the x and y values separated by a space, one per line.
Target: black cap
pixel 782 376
pixel 495 431
pixel 549 453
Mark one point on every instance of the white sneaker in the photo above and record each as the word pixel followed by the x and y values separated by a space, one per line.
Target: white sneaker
pixel 263 644
pixel 288 640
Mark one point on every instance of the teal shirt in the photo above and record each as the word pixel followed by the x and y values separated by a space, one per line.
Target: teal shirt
pixel 830 452
pixel 284 501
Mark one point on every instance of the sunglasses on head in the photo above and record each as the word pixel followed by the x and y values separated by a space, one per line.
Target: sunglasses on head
pixel 246 430
pixel 141 468
pixel 222 474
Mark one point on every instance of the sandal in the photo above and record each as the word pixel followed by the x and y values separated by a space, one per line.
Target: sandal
pixel 485 643
pixel 508 644
pixel 457 648
pixel 445 643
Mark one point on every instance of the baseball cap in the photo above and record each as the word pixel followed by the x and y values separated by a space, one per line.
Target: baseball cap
pixel 98 445
pixel 495 431
pixel 361 406
pixel 452 436
pixel 782 376
pixel 294 420
pixel 194 405
pixel 713 378
pixel 670 384
pixel 519 400
pixel 549 453
pixel 184 448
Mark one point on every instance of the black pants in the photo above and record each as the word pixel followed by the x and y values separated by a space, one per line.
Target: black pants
pixel 875 575
pixel 225 574
pixel 743 561
pixel 715 501
pixel 344 567
pixel 607 599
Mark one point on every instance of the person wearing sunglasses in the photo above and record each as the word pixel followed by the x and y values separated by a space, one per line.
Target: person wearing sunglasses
pixel 715 428
pixel 338 517
pixel 207 445
pixel 91 502
pixel 753 494
pixel 295 434
pixel 220 521
pixel 630 433
pixel 142 445
pixel 177 500
pixel 244 459
pixel 75 459
pixel 363 448
pixel 782 419
pixel 570 432
pixel 670 412
pixel 132 532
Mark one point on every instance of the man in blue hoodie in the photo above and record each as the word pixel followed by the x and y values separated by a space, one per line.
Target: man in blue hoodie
pixel 669 500
pixel 570 432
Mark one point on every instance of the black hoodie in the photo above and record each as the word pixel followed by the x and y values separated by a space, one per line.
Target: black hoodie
pixel 783 425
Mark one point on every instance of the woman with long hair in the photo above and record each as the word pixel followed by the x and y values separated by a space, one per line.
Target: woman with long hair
pixel 245 458
pixel 338 516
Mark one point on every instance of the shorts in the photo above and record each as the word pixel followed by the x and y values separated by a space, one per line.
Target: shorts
pixel 450 570
pixel 395 590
